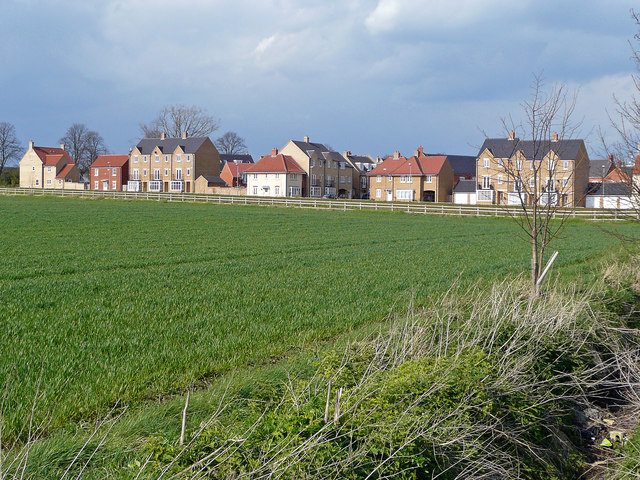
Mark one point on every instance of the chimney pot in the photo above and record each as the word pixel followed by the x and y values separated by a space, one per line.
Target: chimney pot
pixel 512 135
pixel 184 134
pixel 274 152
pixel 30 144
pixel 555 137
pixel 396 154
pixel 611 157
pixel 62 146
pixel 163 136
pixel 306 139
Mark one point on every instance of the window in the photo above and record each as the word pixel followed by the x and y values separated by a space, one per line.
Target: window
pixel 166 172
pixel 500 162
pixel 96 185
pixel 277 175
pixel 518 165
pixel 499 179
pixel 277 190
pixel 552 165
pixel 188 172
pixel 144 172
pixel 379 178
pixel 294 176
pixel 136 174
pixel 363 182
pixel 49 169
pixel 314 179
pixel 96 171
pixel 255 176
pixel 144 158
pixel 294 191
pixel 157 158
pixel 517 185
pixel 178 174
pixel 188 158
pixel 486 182
pixel 532 182
pixel 156 174
pixel 565 182
pixel 37 181
pixel 341 165
pixel 135 159
pixel 255 190
pixel 378 192
pixel 428 178
pixel 33 169
pixel 487 162
pixel 404 194
pixel 390 178
pixel 114 172
pixel 49 181
pixel 114 184
pixel 178 158
pixel 565 165
pixel 166 159
pixel 551 185
pixel 532 165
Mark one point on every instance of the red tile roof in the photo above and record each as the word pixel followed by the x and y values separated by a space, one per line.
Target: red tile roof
pixel 422 165
pixel 110 160
pixel 65 171
pixel 51 156
pixel 275 163
pixel 237 169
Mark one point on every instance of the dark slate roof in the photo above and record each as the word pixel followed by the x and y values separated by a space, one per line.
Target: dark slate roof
pixel 596 166
pixel 462 164
pixel 361 159
pixel 309 147
pixel 609 189
pixel 505 148
pixel 228 157
pixel 168 145
pixel 336 157
pixel 465 186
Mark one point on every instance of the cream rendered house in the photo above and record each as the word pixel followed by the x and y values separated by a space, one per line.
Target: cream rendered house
pixel 275 175
pixel 171 164
pixel 48 167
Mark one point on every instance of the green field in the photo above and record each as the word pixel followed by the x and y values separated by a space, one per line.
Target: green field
pixel 106 301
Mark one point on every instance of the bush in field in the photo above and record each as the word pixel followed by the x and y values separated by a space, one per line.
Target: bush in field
pixel 485 387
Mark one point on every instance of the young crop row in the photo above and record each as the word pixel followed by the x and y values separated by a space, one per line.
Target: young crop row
pixel 105 302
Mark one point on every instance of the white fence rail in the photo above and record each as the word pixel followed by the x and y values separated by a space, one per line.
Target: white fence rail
pixel 305 202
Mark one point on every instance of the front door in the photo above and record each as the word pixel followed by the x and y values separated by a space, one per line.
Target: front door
pixel 105 184
pixel 389 195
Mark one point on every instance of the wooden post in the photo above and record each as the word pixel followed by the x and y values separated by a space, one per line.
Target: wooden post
pixel 336 412
pixel 546 269
pixel 184 418
pixel 326 407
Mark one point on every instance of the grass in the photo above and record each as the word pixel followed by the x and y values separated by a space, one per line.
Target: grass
pixel 105 301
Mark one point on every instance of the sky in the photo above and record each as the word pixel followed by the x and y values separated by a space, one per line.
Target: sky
pixel 369 76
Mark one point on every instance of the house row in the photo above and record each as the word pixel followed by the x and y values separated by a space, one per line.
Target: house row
pixel 506 171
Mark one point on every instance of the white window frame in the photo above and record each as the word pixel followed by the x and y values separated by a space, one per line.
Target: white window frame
pixel 96 171
pixel 499 179
pixel 96 185
pixel 157 158
pixel 565 164
pixel 114 184
pixel 486 182
pixel 428 178
pixel 178 158
pixel 166 159
pixel 178 174
pixel 487 162
pixel 532 182
pixel 378 178
pixel 276 190
pixel 114 172
pixel 48 181
pixel 135 159
pixel 378 192
pixel 188 172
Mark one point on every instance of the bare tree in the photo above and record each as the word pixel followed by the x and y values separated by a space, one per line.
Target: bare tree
pixel 174 120
pixel 539 173
pixel 626 122
pixel 83 146
pixel 231 143
pixel 9 145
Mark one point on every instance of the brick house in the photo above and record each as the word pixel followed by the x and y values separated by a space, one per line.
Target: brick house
pixel 48 167
pixel 327 172
pixel 510 171
pixel 362 164
pixel 109 173
pixel 422 178
pixel 171 164
pixel 234 174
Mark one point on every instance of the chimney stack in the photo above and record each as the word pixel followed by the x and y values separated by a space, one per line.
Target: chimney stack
pixel 396 154
pixel 274 152
pixel 184 134
pixel 163 136
pixel 512 135
pixel 419 151
pixel 306 139
pixel 62 146
pixel 554 138
pixel 30 144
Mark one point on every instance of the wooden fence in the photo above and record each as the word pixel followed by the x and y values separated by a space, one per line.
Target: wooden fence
pixel 323 204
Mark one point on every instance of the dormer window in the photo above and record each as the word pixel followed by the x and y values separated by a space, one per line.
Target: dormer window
pixel 487 162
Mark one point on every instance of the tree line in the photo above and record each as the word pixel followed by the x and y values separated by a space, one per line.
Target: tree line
pixel 85 145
